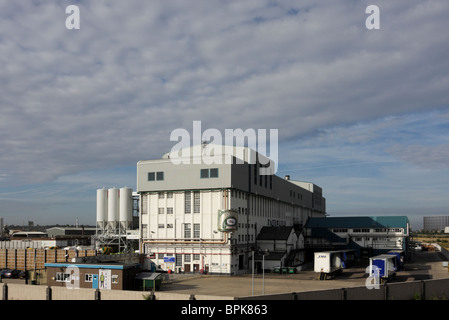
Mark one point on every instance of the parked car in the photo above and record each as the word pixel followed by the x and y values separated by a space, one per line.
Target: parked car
pixel 9 273
pixel 6 273
pixel 22 274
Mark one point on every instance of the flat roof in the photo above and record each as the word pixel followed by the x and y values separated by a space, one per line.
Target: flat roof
pixel 72 228
pixel 148 275
pixel 118 266
pixel 28 232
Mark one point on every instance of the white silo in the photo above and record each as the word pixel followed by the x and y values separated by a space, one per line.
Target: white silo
pixel 113 207
pixel 102 208
pixel 126 207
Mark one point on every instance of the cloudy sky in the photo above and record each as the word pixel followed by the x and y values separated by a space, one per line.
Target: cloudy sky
pixel 362 113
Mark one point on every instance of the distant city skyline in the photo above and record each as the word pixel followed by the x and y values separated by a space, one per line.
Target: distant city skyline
pixel 363 113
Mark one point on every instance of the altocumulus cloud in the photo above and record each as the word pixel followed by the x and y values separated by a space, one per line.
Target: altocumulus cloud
pixel 110 93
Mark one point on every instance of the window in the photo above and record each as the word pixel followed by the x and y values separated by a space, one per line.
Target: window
pixel 160 256
pixel 161 226
pixel 170 210
pixel 196 230
pixel 152 176
pixel 214 173
pixel 88 277
pixel 359 230
pixel 144 204
pixel 196 256
pixel 209 173
pixel 161 195
pixel 204 173
pixel 187 258
pixel 178 260
pixel 62 277
pixel 196 202
pixel 170 226
pixel 187 231
pixel 161 210
pixel 169 195
pixel 188 202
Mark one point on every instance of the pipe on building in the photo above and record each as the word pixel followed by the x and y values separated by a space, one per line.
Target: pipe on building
pixel 193 241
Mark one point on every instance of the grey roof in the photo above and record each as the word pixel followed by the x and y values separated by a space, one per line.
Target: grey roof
pixel 358 222
pixel 272 255
pixel 274 233
pixel 147 276
pixel 326 234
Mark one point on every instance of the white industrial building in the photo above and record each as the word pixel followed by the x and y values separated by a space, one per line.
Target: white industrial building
pixel 197 216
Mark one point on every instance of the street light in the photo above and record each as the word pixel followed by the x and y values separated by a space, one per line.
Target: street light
pixel 253 275
pixel 266 252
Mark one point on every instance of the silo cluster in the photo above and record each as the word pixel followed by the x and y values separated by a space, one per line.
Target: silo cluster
pixel 114 208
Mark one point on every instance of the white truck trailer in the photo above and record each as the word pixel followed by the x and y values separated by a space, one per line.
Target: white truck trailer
pixel 327 264
pixel 330 263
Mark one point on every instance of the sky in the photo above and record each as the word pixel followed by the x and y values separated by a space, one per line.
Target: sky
pixel 363 113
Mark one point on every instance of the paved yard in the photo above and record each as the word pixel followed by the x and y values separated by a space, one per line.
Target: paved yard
pixel 426 265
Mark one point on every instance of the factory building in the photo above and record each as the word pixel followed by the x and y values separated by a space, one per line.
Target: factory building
pixel 206 217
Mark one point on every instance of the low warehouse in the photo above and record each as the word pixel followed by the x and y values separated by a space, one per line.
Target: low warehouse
pixel 115 276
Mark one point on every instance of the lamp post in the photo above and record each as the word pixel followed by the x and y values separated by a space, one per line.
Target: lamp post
pixel 263 273
pixel 253 275
pixel 266 252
